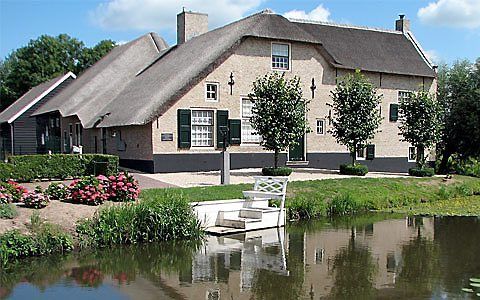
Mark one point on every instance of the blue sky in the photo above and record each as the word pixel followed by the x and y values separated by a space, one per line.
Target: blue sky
pixel 447 29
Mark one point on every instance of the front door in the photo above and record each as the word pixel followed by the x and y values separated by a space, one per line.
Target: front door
pixel 297 152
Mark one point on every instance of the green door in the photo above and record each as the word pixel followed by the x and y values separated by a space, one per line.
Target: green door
pixel 296 153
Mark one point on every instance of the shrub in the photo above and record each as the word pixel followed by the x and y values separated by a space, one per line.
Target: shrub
pixel 44 239
pixel 469 166
pixel 282 171
pixel 344 205
pixel 122 188
pixel 57 191
pixel 357 169
pixel 421 172
pixel 11 192
pixel 88 190
pixel 58 166
pixel 305 208
pixel 36 199
pixel 170 217
pixel 8 211
pixel 6 171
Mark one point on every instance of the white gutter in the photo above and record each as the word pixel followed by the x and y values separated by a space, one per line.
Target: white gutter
pixel 40 97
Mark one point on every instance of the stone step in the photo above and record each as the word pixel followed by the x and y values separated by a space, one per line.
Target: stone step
pixel 238 222
pixel 252 213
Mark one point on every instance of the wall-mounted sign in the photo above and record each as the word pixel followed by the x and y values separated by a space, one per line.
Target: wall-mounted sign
pixel 166 137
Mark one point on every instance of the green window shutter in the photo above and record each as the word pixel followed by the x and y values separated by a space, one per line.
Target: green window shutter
pixel 235 127
pixel 222 127
pixel 393 112
pixel 184 128
pixel 370 152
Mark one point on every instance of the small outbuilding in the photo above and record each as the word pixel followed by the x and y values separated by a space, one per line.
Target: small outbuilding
pixel 23 134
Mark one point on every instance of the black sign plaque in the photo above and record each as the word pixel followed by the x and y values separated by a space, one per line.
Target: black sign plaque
pixel 166 137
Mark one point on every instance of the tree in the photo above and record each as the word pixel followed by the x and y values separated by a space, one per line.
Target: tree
pixel 356 116
pixel 279 112
pixel 458 95
pixel 43 59
pixel 418 114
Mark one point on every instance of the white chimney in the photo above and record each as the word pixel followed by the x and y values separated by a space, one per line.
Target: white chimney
pixel 402 24
pixel 190 24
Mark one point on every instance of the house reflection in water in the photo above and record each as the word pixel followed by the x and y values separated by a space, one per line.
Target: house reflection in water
pixel 336 262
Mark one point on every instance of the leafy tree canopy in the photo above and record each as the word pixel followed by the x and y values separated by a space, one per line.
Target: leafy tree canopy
pixel 356 116
pixel 279 112
pixel 419 122
pixel 45 58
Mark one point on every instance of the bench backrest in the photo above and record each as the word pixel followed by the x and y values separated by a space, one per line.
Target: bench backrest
pixel 277 184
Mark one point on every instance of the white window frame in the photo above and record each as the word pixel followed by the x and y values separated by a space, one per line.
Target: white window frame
pixel 289 56
pixel 242 121
pixel 408 154
pixel 323 127
pixel 212 126
pixel 364 149
pixel 217 92
pixel 402 91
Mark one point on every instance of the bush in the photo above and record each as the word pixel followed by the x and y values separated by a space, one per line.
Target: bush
pixel 357 169
pixel 36 199
pixel 57 191
pixel 8 211
pixel 88 190
pixel 421 172
pixel 6 171
pixel 344 205
pixel 26 168
pixel 168 218
pixel 11 191
pixel 122 188
pixel 469 166
pixel 282 171
pixel 44 239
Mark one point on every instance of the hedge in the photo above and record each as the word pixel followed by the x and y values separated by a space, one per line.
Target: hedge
pixel 282 171
pixel 425 172
pixel 25 168
pixel 357 169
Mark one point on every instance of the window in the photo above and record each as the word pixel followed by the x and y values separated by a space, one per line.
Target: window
pixel 412 154
pixel 202 128
pixel 360 153
pixel 280 56
pixel 78 134
pixel 321 126
pixel 402 95
pixel 248 134
pixel 211 92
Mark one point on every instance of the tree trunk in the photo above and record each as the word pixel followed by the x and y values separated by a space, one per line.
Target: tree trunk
pixel 443 168
pixel 354 154
pixel 275 161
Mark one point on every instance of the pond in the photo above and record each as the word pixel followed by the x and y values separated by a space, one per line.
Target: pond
pixel 367 257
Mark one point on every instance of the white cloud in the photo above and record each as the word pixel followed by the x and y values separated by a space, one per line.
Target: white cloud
pixel 452 13
pixel 433 56
pixel 319 13
pixel 161 14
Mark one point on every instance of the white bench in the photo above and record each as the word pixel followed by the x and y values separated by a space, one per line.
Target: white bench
pixel 268 187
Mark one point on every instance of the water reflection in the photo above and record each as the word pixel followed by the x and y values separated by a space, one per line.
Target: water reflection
pixel 362 258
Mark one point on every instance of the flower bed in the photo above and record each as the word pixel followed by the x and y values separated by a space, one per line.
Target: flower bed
pixel 88 190
pixel 11 191
pixel 57 191
pixel 122 188
pixel 36 199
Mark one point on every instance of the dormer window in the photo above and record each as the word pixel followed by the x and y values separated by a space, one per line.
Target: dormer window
pixel 280 56
pixel 211 92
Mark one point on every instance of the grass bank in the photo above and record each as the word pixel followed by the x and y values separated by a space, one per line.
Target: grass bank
pixel 316 198
pixel 460 206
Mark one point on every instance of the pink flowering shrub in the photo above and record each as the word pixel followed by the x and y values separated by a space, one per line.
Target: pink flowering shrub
pixel 122 188
pixel 88 190
pixel 11 191
pixel 36 199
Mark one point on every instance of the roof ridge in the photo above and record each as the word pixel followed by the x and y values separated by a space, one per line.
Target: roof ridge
pixel 333 24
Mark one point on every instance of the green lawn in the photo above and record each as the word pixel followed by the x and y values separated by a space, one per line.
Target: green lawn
pixel 367 193
pixel 460 206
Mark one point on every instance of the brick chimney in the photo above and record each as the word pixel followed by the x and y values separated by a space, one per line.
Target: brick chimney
pixel 190 24
pixel 402 24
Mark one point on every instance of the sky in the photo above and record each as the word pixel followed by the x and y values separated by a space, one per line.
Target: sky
pixel 447 29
